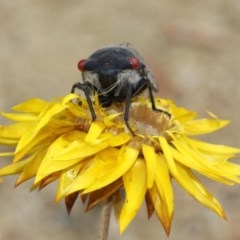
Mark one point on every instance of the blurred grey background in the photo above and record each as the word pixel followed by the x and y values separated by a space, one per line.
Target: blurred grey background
pixel 192 47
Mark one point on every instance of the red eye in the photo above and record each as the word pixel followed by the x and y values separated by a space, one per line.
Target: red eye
pixel 135 63
pixel 81 64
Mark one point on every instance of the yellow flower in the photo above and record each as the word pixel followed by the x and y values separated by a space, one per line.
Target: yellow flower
pixel 101 160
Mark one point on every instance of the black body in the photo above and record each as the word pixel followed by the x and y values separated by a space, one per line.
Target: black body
pixel 116 74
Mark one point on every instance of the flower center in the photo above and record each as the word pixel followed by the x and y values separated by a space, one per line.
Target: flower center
pixel 148 122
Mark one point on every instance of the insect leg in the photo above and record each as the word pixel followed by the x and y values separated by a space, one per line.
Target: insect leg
pixel 85 88
pixel 153 102
pixel 127 107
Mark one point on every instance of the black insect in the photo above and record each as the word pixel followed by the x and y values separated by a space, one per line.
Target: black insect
pixel 116 74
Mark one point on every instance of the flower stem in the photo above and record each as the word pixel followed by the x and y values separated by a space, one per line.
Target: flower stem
pixel 105 219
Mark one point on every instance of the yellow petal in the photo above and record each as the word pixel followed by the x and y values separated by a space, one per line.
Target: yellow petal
pixel 14 168
pixel 182 114
pixel 23 144
pixel 164 185
pixel 66 151
pixel 150 158
pixel 223 172
pixel 34 105
pixel 95 168
pixel 119 139
pixel 168 155
pixel 160 208
pixel 203 126
pixel 135 185
pixel 7 154
pixel 213 148
pixel 194 187
pixel 31 168
pixel 44 120
pixel 65 181
pixel 106 167
pixel 108 120
pixel 125 159
pixel 9 142
pixel 161 194
pixel 17 117
pixel 78 110
pixel 94 131
pixel 14 131
pixel 49 113
pixel 44 137
pixel 68 98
